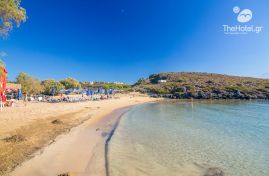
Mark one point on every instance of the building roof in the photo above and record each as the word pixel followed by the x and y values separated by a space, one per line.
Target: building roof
pixel 13 86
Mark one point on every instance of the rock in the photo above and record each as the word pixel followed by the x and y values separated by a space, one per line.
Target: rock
pixel 261 96
pixel 67 174
pixel 194 95
pixel 57 121
pixel 201 95
pixel 247 96
pixel 237 94
pixel 214 171
pixel 253 97
pixel 187 95
pixel 230 95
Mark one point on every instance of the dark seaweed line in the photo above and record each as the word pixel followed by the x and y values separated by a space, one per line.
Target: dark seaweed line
pixel 108 140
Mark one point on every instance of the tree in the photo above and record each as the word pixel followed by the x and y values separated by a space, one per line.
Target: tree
pixel 140 81
pixel 48 84
pixel 1 70
pixel 29 84
pixel 70 83
pixel 11 13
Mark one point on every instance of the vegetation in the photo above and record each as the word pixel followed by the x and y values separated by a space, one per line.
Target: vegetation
pixel 11 13
pixel 70 83
pixel 140 81
pixel 1 64
pixel 29 84
pixel 204 86
pixel 105 85
pixel 48 84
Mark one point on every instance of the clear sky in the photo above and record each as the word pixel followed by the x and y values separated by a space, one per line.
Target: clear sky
pixel 123 40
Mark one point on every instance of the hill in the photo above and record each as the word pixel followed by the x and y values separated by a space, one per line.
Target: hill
pixel 196 85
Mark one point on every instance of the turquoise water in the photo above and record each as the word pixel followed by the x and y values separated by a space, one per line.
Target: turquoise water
pixel 184 139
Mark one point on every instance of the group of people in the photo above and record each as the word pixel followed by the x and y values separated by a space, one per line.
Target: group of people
pixel 90 95
pixel 77 98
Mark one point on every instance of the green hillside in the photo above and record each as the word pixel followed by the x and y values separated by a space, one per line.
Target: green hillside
pixel 203 86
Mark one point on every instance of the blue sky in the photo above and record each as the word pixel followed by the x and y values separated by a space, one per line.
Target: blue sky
pixel 123 40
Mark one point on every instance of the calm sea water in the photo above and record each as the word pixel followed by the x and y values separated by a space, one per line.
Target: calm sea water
pixel 184 139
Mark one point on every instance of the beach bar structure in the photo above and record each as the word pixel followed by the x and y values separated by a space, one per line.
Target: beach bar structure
pixel 13 86
pixel 13 91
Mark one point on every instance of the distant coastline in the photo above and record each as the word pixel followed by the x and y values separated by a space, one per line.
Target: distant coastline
pixel 188 85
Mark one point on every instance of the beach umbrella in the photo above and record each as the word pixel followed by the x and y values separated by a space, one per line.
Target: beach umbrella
pixel 100 91
pixel 75 90
pixel 88 92
pixel 3 73
pixel 19 94
pixel 62 91
pixel 84 91
pixel 80 90
pixel 53 91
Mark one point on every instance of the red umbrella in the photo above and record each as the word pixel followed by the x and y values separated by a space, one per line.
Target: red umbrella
pixel 3 83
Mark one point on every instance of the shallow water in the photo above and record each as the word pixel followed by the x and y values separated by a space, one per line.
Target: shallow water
pixel 184 139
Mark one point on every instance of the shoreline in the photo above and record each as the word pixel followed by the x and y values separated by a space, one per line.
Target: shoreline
pixel 71 153
pixel 99 164
pixel 106 147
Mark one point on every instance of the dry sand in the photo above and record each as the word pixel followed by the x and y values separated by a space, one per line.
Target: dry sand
pixel 26 130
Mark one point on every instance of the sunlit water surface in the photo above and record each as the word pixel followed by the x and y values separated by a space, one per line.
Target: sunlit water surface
pixel 184 139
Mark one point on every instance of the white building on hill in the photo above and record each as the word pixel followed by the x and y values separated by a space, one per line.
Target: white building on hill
pixel 162 81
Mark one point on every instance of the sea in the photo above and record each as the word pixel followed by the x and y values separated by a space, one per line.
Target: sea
pixel 188 138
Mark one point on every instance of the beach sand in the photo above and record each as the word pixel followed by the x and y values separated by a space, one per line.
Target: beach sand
pixel 73 143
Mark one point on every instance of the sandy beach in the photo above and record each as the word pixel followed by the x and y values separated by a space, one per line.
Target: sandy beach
pixel 51 139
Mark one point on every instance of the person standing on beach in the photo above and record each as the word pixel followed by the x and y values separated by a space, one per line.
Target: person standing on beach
pixel 25 100
pixel 1 103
